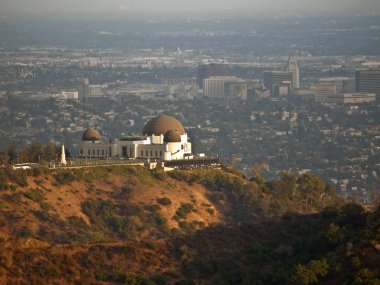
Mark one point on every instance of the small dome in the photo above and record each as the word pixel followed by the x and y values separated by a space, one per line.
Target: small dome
pixel 172 136
pixel 91 135
pixel 161 124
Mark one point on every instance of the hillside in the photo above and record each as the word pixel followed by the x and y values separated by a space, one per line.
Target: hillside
pixel 128 225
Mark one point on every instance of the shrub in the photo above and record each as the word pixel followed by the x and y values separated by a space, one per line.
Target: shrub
pixel 64 177
pixel 45 206
pixel 35 195
pixel 164 201
pixel 188 227
pixel 184 210
pixel 210 211
pixel 153 208
pixel 4 186
pixel 19 176
pixel 161 279
pixel 309 274
pixel 126 192
pixel 158 219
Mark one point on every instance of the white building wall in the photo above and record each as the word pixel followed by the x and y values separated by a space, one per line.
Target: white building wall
pixel 137 149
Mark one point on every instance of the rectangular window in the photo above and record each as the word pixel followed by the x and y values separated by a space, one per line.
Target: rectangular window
pixel 155 153
pixel 160 153
pixel 93 152
pixel 89 152
pixel 142 153
pixel 98 152
pixel 146 153
pixel 103 152
pixel 151 153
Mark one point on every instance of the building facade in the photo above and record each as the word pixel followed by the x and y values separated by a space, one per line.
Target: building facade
pixel 368 80
pixel 274 79
pixel 213 69
pixel 349 98
pixel 216 86
pixel 293 68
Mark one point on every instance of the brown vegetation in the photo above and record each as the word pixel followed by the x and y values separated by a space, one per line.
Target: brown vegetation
pixel 125 225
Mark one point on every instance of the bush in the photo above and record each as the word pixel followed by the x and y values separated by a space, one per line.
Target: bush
pixel 159 220
pixel 309 274
pixel 183 211
pixel 19 176
pixel 164 201
pixel 126 192
pixel 64 177
pixel 35 195
pixel 4 186
pixel 161 279
pixel 153 208
pixel 210 211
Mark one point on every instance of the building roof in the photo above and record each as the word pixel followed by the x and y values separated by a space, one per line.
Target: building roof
pixel 172 136
pixel 91 135
pixel 161 124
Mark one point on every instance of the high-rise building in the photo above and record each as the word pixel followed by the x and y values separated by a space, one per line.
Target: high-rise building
pixel 323 90
pixel 274 79
pixel 84 91
pixel 213 69
pixel 89 93
pixel 293 68
pixel 216 86
pixel 368 80
pixel 236 89
pixel 343 84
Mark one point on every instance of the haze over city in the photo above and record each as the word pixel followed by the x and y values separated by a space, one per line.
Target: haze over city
pixel 117 8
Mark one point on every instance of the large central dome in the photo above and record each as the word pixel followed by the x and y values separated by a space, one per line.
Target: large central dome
pixel 161 124
pixel 91 135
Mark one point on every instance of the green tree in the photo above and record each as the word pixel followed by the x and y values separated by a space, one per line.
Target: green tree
pixel 309 274
pixel 32 153
pixel 50 152
pixel 12 153
pixel 311 187
pixel 289 181
pixel 3 158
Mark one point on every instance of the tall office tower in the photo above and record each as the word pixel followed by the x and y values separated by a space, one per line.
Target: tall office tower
pixel 84 91
pixel 293 68
pixel 368 80
pixel 274 79
pixel 213 69
pixel 215 86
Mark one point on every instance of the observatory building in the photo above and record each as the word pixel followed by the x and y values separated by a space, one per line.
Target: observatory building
pixel 162 138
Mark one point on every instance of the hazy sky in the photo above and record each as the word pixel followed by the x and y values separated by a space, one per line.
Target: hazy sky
pixel 87 8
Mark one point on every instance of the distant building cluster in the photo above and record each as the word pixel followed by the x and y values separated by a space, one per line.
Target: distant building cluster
pixel 217 81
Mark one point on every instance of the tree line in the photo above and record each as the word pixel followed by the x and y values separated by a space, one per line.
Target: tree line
pixel 32 153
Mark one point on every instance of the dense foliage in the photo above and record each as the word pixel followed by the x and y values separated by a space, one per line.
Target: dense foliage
pixel 335 246
pixel 258 198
